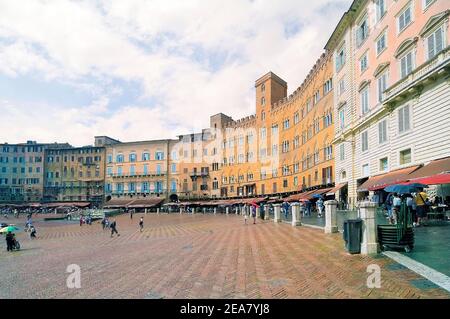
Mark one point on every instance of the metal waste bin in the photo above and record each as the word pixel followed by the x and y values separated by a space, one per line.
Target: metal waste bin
pixel 352 235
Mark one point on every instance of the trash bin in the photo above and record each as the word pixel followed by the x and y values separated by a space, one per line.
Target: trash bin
pixel 352 235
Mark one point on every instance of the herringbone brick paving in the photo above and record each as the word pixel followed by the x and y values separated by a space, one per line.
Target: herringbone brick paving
pixel 196 256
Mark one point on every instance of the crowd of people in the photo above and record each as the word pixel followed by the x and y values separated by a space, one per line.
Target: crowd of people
pixel 418 203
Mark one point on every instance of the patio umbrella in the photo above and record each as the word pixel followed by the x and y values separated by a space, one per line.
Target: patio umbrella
pixel 10 228
pixel 404 189
pixel 317 196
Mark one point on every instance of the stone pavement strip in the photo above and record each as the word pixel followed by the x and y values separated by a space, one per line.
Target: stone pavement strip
pixel 197 256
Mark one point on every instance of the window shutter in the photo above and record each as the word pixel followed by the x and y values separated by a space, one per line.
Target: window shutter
pixel 400 120
pixel 431 46
pixel 438 40
pixel 406 118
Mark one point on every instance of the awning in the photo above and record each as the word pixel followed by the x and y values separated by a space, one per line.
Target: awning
pixel 381 181
pixel 298 197
pixel 66 204
pixel 434 180
pixel 145 202
pixel 118 203
pixel 336 188
pixel 435 172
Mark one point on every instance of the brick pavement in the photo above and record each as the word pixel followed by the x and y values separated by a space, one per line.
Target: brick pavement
pixel 197 256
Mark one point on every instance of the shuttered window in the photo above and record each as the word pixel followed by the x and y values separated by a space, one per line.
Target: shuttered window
pixel 435 42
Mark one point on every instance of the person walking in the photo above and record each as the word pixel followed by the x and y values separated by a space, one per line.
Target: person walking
pixel 113 228
pixel 320 207
pixel 131 213
pixel 33 232
pixel 141 224
pixel 396 203
pixel 103 222
pixel 254 214
pixel 245 215
pixel 9 241
pixel 421 208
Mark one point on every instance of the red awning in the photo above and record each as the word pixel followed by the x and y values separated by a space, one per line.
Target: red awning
pixel 381 181
pixel 145 202
pixel 434 180
pixel 336 188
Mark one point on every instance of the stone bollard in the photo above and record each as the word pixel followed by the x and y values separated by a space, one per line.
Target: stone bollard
pixel 277 213
pixel 204 210
pixel 145 210
pixel 227 210
pixel 258 212
pixel 330 217
pixel 181 210
pixel 369 242
pixel 193 211
pixel 157 210
pixel 215 210
pixel 296 218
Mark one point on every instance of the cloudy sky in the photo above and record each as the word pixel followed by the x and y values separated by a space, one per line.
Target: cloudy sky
pixel 136 69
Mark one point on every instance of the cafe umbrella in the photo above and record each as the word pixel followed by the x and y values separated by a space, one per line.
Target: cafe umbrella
pixel 405 188
pixel 10 228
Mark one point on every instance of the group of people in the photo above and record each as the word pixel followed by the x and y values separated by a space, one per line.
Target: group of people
pixel 85 220
pixel 418 204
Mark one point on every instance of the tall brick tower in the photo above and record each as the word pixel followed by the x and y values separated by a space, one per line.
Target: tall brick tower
pixel 270 88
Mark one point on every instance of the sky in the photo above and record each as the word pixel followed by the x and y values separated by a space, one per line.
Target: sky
pixel 139 70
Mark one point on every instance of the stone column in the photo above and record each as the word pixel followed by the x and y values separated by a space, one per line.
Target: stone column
pixel 369 242
pixel 277 213
pixel 193 210
pixel 227 210
pixel 145 210
pixel 56 211
pixel 204 210
pixel 296 218
pixel 157 210
pixel 258 212
pixel 181 210
pixel 330 217
pixel 215 210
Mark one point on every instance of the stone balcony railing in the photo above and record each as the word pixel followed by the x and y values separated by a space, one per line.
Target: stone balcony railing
pixel 419 74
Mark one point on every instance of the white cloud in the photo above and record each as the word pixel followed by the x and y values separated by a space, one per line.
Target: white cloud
pixel 154 43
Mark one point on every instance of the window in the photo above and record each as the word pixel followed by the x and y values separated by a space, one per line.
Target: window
pixel 363 63
pixel 405 18
pixel 316 97
pixel 427 3
pixel 341 86
pixel 381 43
pixel 382 131
pixel 286 124
pixel 435 43
pixel 342 117
pixel 174 168
pixel 362 32
pixel 384 164
pixel 365 100
pixel 132 157
pixel 159 156
pixel 146 156
pixel 119 158
pixel 405 156
pixel 381 9
pixel 365 170
pixel 342 152
pixel 109 171
pixel 263 116
pixel 406 64
pixel 109 158
pixel 119 170
pixel 296 118
pixel 132 170
pixel 364 141
pixel 263 87
pixel 263 101
pixel 131 187
pixel 404 119
pixel 328 86
pixel 381 86
pixel 340 58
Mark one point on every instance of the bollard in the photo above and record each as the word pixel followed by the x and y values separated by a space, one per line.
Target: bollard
pixel 215 210
pixel 296 218
pixel 157 211
pixel 145 211
pixel 369 242
pixel 227 210
pixel 330 217
pixel 258 212
pixel 277 213
pixel 181 210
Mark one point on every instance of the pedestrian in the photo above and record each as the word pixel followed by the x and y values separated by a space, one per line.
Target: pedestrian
pixel 396 203
pixel 388 204
pixel 131 214
pixel 103 222
pixel 421 208
pixel 33 232
pixel 81 220
pixel 320 206
pixel 254 214
pixel 245 216
pixel 141 224
pixel 9 241
pixel 308 207
pixel 113 228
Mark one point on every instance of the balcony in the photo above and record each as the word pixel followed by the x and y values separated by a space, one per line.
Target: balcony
pixel 136 175
pixel 414 82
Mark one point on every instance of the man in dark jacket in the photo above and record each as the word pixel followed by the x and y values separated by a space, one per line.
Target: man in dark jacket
pixel 113 228
pixel 9 241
